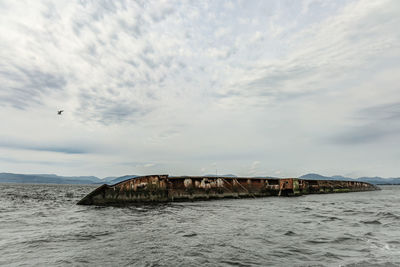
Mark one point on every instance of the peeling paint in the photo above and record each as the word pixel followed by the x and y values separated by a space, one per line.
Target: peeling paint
pixel 162 188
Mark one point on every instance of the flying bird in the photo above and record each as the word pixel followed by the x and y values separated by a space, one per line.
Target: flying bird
pixel 60 111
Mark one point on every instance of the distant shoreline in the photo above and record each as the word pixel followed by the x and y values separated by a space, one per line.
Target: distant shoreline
pixel 93 180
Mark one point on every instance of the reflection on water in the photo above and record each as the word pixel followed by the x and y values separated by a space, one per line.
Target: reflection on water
pixel 41 225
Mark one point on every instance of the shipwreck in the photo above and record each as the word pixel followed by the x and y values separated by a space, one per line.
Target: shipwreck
pixel 164 188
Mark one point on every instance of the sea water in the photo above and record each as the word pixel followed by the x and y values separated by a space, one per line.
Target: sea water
pixel 42 225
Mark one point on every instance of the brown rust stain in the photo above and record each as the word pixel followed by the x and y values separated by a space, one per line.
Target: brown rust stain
pixel 161 188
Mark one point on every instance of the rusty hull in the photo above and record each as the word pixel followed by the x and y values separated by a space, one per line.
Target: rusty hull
pixel 162 188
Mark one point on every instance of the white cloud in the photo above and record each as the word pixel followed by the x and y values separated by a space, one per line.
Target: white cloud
pixel 182 85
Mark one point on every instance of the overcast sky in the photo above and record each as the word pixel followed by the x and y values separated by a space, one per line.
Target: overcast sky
pixel 278 88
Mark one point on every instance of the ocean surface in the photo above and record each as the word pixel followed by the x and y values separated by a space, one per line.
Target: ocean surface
pixel 41 225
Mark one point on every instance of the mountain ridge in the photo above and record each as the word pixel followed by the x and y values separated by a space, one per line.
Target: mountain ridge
pixel 373 180
pixel 56 179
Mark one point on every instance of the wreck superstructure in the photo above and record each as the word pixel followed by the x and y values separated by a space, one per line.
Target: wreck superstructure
pixel 164 188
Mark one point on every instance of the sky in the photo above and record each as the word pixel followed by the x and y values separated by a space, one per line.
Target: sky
pixel 252 88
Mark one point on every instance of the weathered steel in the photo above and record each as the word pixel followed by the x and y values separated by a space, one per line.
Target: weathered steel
pixel 162 188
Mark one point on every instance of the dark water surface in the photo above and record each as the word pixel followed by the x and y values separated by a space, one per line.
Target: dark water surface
pixel 41 225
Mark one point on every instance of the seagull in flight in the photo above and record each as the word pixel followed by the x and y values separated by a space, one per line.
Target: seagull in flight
pixel 60 111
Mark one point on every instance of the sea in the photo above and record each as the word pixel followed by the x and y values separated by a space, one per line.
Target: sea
pixel 41 225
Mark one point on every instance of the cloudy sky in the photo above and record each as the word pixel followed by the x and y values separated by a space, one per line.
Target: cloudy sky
pixel 278 88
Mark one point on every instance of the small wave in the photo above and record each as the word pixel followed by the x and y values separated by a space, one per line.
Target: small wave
pixel 332 218
pixel 330 255
pixel 372 264
pixel 342 239
pixel 190 235
pixel 348 211
pixel 369 234
pixel 317 241
pixel 235 263
pixel 290 233
pixel 385 214
pixel 64 262
pixel 39 214
pixel 69 194
pixel 372 222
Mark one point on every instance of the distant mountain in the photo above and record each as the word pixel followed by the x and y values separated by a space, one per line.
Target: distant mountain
pixel 380 180
pixel 372 180
pixel 109 179
pixel 315 176
pixel 47 179
pixel 122 178
pixel 55 179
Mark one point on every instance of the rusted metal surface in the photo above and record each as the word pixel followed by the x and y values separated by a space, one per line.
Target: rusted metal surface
pixel 162 188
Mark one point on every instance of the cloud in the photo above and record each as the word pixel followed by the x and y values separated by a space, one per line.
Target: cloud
pixel 384 112
pixel 84 60
pixel 377 123
pixel 322 57
pixel 182 85
pixel 22 87
pixel 66 149
pixel 100 109
pixel 19 161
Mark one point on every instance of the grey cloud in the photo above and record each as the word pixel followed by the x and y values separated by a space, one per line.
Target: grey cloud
pixel 41 162
pixel 127 84
pixel 230 93
pixel 360 135
pixel 378 122
pixel 148 49
pixel 274 94
pixel 386 112
pixel 28 85
pixel 273 82
pixel 133 63
pixel 120 60
pixel 275 76
pixel 158 16
pixel 105 7
pixel 107 112
pixel 99 11
pixel 286 96
pixel 92 50
pixel 151 95
pixel 60 149
pixel 118 113
pixel 149 62
pixel 51 12
pixel 73 149
pixel 77 27
pixel 181 65
pixel 135 29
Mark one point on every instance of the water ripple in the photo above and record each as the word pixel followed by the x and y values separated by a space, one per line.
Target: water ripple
pixel 41 225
